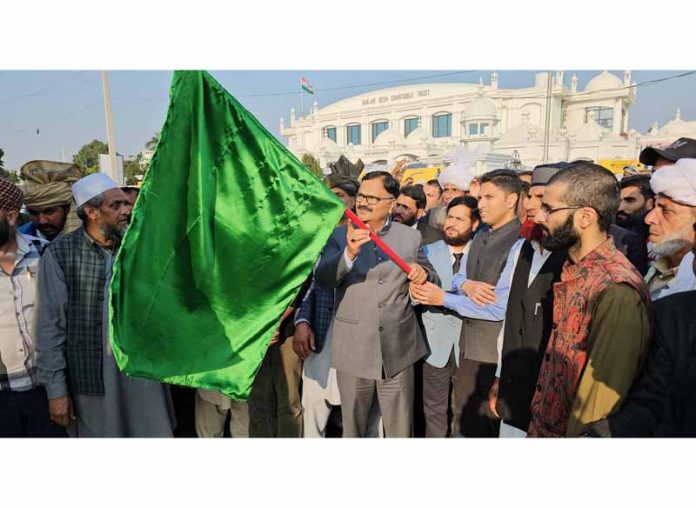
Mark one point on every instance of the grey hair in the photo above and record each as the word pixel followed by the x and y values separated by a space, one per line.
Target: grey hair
pixel 95 202
pixel 592 186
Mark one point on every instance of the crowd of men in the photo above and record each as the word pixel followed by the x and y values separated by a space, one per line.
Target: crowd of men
pixel 546 303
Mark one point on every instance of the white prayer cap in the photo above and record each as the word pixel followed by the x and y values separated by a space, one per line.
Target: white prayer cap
pixel 677 182
pixel 91 186
pixel 459 172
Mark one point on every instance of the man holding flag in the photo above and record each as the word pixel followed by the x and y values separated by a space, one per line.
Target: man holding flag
pixel 376 338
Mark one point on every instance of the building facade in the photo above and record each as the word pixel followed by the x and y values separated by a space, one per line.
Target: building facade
pixel 425 122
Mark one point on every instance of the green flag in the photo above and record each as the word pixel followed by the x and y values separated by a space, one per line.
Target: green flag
pixel 226 229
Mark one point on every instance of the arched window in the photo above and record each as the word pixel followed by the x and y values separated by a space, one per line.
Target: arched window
pixel 330 132
pixel 442 125
pixel 353 134
pixel 378 127
pixel 411 124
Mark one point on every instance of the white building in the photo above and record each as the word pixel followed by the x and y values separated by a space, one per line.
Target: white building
pixel 424 122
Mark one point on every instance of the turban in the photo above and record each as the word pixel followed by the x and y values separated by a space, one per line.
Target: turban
pixel 47 183
pixel 10 196
pixel 677 182
pixel 459 172
pixel 348 184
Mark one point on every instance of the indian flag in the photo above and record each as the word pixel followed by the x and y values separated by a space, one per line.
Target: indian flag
pixel 306 86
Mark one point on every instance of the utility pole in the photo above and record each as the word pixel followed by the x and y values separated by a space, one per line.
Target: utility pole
pixel 109 129
pixel 547 122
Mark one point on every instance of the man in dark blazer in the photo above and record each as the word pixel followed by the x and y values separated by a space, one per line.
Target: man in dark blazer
pixel 376 337
pixel 410 210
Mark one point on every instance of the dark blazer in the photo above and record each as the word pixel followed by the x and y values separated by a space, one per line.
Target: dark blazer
pixel 375 331
pixel 528 322
pixel 632 246
pixel 663 401
pixel 429 233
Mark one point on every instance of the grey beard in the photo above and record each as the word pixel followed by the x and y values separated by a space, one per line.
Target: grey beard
pixel 668 247
pixel 112 233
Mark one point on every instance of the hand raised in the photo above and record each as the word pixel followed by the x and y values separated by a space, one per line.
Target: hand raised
pixel 355 238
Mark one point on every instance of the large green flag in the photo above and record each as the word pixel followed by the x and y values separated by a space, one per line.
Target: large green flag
pixel 226 229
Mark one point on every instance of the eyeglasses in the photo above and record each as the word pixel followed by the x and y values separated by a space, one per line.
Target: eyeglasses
pixel 547 210
pixel 371 200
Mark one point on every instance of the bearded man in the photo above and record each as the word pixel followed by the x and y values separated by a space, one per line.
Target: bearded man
pixel 86 391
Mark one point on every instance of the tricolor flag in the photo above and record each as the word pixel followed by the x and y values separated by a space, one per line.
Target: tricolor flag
pixel 306 86
pixel 227 227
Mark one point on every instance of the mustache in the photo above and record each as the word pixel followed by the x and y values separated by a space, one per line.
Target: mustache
pixel 364 207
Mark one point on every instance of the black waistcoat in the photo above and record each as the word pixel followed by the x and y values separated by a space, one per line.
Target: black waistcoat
pixel 485 262
pixel 528 324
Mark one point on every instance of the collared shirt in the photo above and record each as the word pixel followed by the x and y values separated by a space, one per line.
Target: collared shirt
pixel 465 251
pixel 457 301
pixel 17 317
pixel 663 280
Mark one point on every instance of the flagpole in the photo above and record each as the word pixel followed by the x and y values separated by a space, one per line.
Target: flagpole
pixel 301 97
pixel 109 129
pixel 380 243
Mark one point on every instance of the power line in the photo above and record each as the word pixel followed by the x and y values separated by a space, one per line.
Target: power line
pixel 541 95
pixel 42 91
pixel 346 87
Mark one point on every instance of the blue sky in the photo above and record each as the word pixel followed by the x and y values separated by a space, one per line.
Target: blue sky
pixel 67 109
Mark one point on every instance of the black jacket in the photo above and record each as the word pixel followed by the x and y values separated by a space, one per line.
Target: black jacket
pixel 429 233
pixel 663 401
pixel 632 246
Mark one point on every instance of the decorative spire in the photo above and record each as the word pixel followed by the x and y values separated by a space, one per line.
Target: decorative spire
pixel 574 83
pixel 494 80
pixel 678 117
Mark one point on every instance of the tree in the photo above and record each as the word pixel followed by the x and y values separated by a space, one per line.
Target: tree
pixel 312 164
pixel 88 156
pixel 131 169
pixel 7 175
pixel 150 145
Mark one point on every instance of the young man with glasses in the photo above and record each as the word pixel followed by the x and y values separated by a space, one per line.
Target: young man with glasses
pixel 376 337
pixel 601 324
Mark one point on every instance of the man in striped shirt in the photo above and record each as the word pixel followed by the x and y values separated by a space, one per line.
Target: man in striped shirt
pixel 23 404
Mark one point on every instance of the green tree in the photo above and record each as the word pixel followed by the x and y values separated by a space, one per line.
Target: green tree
pixel 88 156
pixel 312 164
pixel 7 175
pixel 131 169
pixel 150 145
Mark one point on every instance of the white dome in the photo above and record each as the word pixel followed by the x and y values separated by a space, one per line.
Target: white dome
pixel 324 144
pixel 522 133
pixel 591 131
pixel 604 81
pixel 677 126
pixel 480 108
pixel 417 136
pixel 390 135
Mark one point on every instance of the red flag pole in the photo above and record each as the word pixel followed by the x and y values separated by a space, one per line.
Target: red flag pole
pixel 387 250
